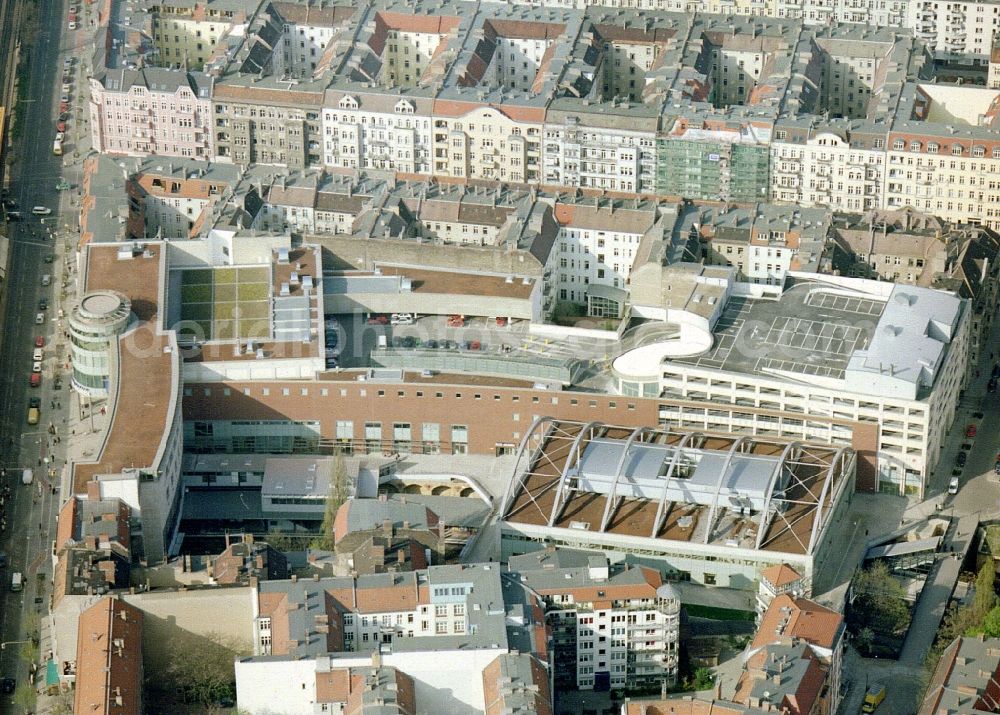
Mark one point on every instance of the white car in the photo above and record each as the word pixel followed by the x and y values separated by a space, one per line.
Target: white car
pixel 60 136
pixel 72 26
pixel 39 318
pixel 953 486
pixel 401 319
pixel 41 210
pixel 36 367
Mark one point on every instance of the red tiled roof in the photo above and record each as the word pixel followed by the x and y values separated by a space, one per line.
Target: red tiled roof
pixel 780 575
pixel 109 659
pixel 802 618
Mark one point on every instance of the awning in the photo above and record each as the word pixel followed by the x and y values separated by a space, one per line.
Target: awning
pixel 51 674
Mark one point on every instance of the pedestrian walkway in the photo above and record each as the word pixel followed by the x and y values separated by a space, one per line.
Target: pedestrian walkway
pixel 937 591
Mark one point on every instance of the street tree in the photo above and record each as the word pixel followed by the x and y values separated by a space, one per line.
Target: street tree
pixel 339 491
pixel 879 601
pixel 25 697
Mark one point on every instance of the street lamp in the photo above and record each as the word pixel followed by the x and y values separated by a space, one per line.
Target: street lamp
pixel 3 646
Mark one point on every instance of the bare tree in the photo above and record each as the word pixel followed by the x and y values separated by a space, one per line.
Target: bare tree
pixel 338 495
pixel 202 667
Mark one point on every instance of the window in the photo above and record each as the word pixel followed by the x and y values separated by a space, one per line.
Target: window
pixel 373 436
pixel 431 437
pixel 345 431
pixel 459 439
pixel 402 440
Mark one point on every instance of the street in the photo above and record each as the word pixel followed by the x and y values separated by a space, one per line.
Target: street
pixel 34 172
pixel 979 493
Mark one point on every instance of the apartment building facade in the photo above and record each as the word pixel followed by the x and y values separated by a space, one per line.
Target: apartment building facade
pixel 942 163
pixel 823 164
pixel 611 627
pixel 141 112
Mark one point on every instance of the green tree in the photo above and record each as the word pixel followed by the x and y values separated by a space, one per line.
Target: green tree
pixel 25 697
pixel 703 679
pixel 991 623
pixel 865 639
pixel 338 495
pixel 29 652
pixel 880 599
pixel 985 597
pixel 31 624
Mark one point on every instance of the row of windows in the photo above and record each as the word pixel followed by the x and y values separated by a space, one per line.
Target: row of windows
pixel 325 392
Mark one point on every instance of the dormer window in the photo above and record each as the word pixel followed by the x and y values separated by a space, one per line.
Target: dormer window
pixel 348 102
pixel 403 107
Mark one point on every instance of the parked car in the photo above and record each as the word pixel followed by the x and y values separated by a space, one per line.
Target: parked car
pixel 456 321
pixel 970 431
pixel 41 210
pixel 996 467
pixel 43 304
pixel 992 385
pixel 378 320
pixel 953 486
pixel 39 341
pixel 401 319
pixel 39 318
pixel 63 106
pixel 36 367
pixel 996 370
pixel 8 685
pixel 961 458
pixel 35 380
pixel 61 127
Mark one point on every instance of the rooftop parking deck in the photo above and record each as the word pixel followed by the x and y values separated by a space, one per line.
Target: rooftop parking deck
pixel 812 329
